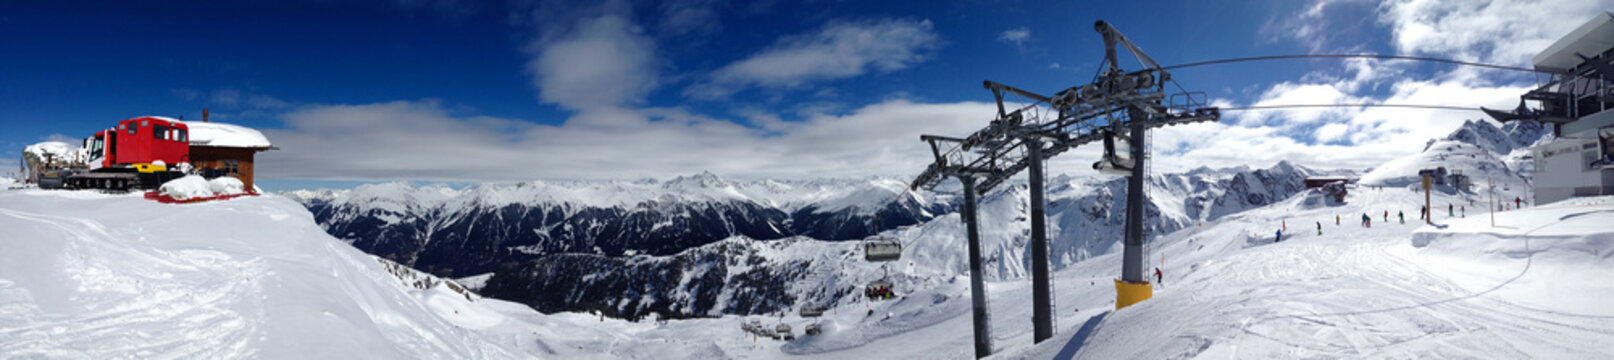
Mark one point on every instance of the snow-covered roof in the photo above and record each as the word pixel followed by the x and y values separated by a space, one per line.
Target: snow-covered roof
pixel 225 135
pixel 60 150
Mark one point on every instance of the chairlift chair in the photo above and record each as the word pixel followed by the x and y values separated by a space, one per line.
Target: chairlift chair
pixel 882 248
pixel 812 311
pixel 879 290
pixel 1115 162
pixel 814 329
pixel 783 330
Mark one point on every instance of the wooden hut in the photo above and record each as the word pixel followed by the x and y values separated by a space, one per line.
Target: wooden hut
pixel 219 149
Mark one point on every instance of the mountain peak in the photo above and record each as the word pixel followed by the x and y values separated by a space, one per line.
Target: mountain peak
pixel 703 180
pixel 1499 140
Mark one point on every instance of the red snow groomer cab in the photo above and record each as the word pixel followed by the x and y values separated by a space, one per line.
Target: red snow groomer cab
pixel 139 153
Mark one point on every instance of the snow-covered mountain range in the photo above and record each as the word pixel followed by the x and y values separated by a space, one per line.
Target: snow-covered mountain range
pixel 703 243
pixel 464 232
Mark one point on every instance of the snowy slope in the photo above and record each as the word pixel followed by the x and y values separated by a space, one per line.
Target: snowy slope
pixel 1463 289
pixel 87 275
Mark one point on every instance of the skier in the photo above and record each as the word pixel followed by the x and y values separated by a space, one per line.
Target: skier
pixel 1280 236
pixel 1421 211
pixel 1366 221
pixel 1464 208
pixel 1403 217
pixel 1387 215
pixel 1449 211
pixel 1515 202
pixel 1336 219
pixel 1158 279
pixel 1319 228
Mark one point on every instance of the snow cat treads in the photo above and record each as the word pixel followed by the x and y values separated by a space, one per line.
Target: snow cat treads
pixel 1127 294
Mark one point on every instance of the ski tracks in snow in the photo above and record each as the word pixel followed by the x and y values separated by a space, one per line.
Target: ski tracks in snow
pixel 122 302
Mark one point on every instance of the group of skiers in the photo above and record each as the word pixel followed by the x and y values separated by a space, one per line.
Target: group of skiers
pixel 1423 213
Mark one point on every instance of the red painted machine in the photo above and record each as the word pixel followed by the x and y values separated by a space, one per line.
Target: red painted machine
pixel 142 153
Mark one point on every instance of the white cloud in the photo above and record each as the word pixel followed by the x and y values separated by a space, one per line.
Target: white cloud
pixel 234 98
pixel 689 17
pixel 605 62
pixel 226 97
pixel 1330 132
pixel 1504 32
pixel 1017 37
pixel 1289 93
pixel 1311 26
pixel 836 51
pixel 421 140
pixel 185 94
pixel 61 138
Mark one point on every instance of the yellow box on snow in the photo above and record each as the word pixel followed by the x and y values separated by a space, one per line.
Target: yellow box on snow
pixel 1127 293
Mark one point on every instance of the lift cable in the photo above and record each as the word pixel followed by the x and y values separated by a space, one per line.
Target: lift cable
pixel 1353 56
pixel 1294 106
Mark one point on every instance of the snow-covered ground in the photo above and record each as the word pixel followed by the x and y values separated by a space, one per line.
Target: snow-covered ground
pixel 87 275
pixel 1534 286
pixel 91 275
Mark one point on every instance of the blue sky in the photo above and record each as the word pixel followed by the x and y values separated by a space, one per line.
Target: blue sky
pixel 471 91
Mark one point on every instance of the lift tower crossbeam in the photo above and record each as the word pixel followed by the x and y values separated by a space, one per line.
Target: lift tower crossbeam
pixel 1116 103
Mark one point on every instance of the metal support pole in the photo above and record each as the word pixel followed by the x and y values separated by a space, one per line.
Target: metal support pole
pixel 983 323
pixel 1041 313
pixel 1132 255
